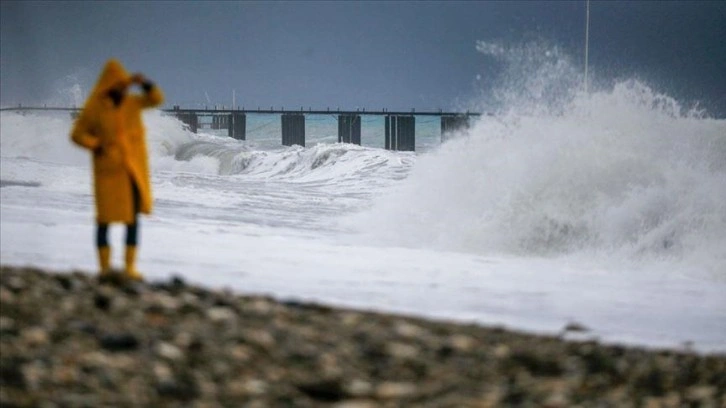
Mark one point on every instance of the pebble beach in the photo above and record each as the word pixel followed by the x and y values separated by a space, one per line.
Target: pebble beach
pixel 68 340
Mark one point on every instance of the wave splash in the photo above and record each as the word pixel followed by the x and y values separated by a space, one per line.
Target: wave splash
pixel 618 174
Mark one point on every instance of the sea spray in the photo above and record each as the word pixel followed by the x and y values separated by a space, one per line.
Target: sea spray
pixel 621 174
pixel 43 137
pixel 46 136
pixel 533 78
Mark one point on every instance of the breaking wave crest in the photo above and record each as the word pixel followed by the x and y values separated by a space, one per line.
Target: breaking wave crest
pixel 619 174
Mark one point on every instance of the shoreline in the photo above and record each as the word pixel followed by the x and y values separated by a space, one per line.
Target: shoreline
pixel 70 340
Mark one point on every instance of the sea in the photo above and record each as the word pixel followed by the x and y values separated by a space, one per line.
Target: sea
pixel 605 208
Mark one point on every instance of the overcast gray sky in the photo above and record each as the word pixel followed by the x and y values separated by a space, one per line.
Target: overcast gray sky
pixel 398 55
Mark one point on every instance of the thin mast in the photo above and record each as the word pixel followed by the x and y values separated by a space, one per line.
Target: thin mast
pixel 587 38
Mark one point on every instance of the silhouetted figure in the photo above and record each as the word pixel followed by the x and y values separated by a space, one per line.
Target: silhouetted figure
pixel 111 127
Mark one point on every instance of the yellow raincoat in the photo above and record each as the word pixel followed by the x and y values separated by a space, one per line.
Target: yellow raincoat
pixel 116 136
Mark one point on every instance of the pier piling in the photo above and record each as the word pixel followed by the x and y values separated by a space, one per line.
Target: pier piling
pixel 293 129
pixel 453 123
pixel 400 132
pixel 237 126
pixel 190 119
pixel 349 129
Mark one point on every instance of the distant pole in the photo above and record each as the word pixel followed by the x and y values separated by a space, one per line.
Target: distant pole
pixel 587 39
pixel 234 102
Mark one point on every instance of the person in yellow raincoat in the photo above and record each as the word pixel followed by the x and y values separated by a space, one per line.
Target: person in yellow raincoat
pixel 111 127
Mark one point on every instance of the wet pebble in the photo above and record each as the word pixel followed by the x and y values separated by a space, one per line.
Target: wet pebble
pixel 119 342
pixel 35 336
pixel 221 314
pixel 395 390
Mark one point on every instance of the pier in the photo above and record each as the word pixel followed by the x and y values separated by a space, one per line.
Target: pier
pixel 399 126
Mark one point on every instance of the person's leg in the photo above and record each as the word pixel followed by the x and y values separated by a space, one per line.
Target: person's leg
pixel 132 233
pixel 104 250
pixel 132 238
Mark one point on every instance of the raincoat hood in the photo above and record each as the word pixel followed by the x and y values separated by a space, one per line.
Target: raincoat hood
pixel 113 73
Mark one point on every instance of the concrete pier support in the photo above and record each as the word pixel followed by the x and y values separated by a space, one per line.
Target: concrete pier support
pixel 349 129
pixel 390 132
pixel 400 133
pixel 219 122
pixel 293 129
pixel 237 126
pixel 453 123
pixel 190 119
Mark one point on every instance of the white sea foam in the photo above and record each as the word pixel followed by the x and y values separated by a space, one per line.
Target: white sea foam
pixel 622 174
pixel 599 209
